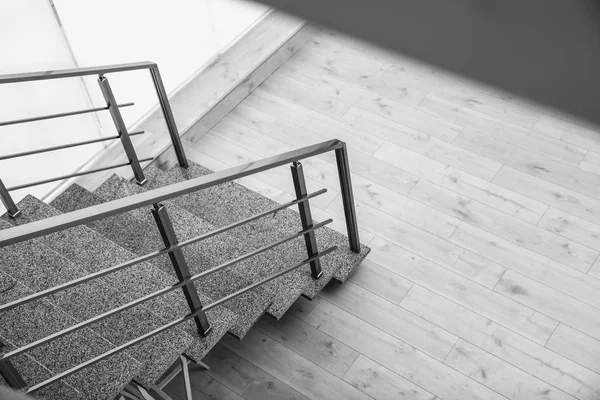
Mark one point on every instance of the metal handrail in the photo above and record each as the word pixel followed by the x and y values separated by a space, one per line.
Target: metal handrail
pixel 108 69
pixel 158 293
pixel 57 223
pixel 111 105
pixel 75 72
pixel 173 247
pixel 173 323
pixel 95 275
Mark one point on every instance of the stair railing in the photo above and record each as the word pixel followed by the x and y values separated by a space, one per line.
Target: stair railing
pixel 111 106
pixel 173 247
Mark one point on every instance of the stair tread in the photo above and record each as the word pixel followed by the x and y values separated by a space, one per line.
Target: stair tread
pixel 32 371
pixel 93 251
pixel 202 256
pixel 42 319
pixel 288 287
pixel 126 229
pixel 230 202
pixel 84 249
pixel 116 230
pixel 99 295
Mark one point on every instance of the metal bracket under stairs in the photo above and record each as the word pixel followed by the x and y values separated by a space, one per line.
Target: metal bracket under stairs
pixel 177 368
pixel 137 391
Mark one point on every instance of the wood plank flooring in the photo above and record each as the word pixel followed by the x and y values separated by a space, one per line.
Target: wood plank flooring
pixel 483 214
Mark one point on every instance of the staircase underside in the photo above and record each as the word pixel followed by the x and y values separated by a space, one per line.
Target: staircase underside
pixel 42 263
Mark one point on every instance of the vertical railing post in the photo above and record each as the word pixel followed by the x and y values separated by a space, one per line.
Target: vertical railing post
pixel 343 167
pixel 186 377
pixel 180 265
pixel 115 113
pixel 10 375
pixel 11 207
pixel 168 114
pixel 306 218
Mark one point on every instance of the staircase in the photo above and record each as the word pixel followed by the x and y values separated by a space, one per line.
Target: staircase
pixel 102 292
pixel 42 263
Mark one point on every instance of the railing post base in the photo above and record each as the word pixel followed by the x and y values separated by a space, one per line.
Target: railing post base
pixel 15 215
pixel 11 207
pixel 142 183
pixel 207 331
pixel 306 218
pixel 181 268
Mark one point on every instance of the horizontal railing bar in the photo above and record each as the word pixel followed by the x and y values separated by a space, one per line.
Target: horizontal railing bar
pixel 83 324
pixel 79 281
pixel 169 325
pixel 65 146
pixel 268 279
pixel 158 293
pixel 35 296
pixel 261 250
pixel 60 178
pixel 109 353
pixel 60 115
pixel 247 220
pixel 73 72
pixel 74 218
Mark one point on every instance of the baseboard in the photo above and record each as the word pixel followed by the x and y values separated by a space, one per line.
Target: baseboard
pixel 210 95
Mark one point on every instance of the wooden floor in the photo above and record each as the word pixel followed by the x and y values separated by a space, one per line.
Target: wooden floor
pixel 483 214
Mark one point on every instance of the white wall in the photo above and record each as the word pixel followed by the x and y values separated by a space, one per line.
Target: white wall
pixel 231 18
pixel 31 40
pixel 182 36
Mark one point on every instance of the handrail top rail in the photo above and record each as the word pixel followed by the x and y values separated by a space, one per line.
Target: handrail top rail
pixel 73 72
pixel 57 223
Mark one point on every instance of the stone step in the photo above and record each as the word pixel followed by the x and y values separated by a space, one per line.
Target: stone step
pixel 100 244
pixel 32 371
pixel 169 306
pixel 95 252
pixel 230 202
pixel 205 255
pixel 141 236
pixel 90 252
pixel 33 321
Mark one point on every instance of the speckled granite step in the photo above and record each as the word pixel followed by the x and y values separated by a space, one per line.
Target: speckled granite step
pixel 230 202
pixel 91 253
pixel 288 287
pixel 32 370
pixel 230 246
pixel 94 252
pixel 204 255
pixel 137 232
pixel 38 319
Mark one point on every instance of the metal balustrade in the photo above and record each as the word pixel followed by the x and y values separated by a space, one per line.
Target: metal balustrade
pixel 173 247
pixel 111 106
